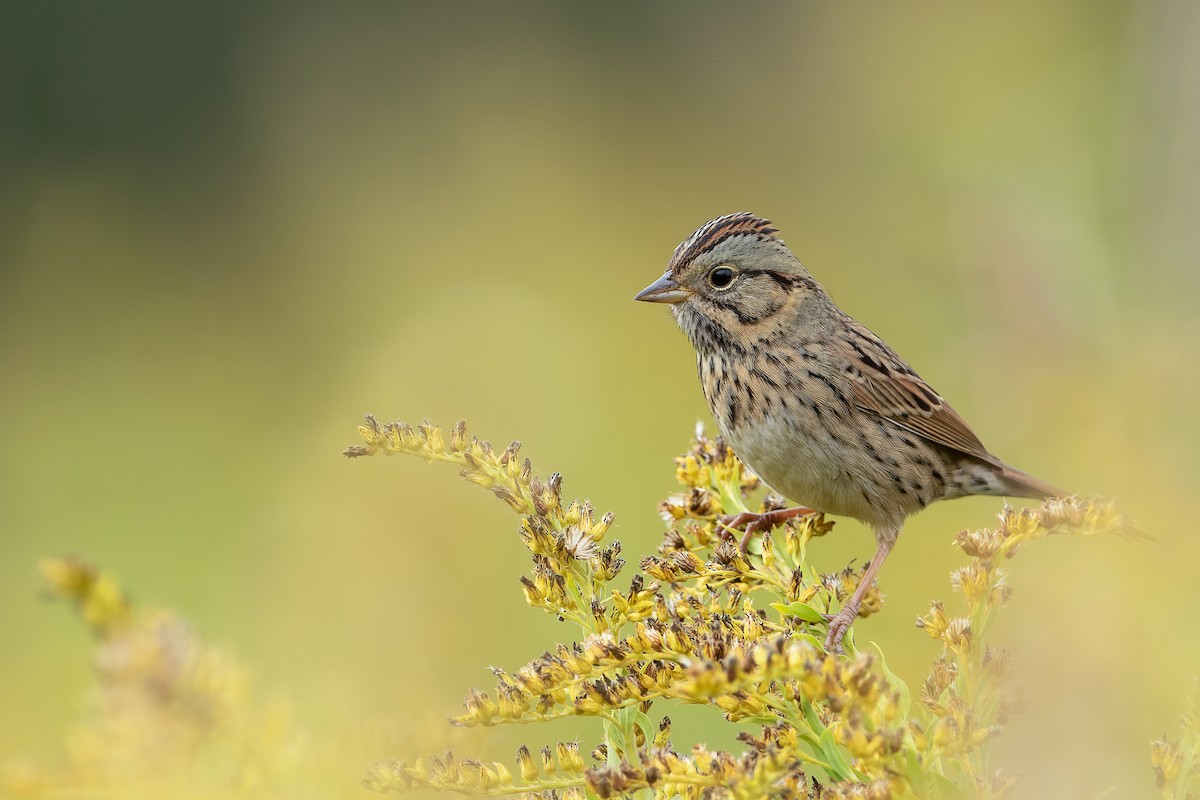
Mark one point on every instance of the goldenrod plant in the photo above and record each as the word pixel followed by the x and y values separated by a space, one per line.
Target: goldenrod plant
pixel 703 623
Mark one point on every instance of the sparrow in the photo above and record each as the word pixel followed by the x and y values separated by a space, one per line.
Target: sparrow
pixel 818 406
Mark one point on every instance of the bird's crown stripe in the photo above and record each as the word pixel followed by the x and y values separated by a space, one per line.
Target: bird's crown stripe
pixel 718 230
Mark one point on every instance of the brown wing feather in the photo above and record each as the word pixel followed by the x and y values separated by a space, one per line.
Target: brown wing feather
pixel 885 385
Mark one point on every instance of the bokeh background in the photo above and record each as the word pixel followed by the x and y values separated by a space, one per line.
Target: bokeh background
pixel 227 230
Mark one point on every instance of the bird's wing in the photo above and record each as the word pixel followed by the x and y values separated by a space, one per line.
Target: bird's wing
pixel 885 385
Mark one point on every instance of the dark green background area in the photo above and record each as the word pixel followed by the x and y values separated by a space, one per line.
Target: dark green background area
pixel 229 229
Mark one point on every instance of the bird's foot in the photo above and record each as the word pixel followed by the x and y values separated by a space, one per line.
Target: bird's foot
pixel 839 624
pixel 757 523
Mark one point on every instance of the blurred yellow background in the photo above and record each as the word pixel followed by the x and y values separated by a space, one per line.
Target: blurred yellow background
pixel 227 230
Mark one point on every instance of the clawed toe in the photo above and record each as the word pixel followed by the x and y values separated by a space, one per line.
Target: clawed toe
pixel 747 519
pixel 839 624
pixel 753 523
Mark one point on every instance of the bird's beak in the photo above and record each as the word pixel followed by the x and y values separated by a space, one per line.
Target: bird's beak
pixel 663 290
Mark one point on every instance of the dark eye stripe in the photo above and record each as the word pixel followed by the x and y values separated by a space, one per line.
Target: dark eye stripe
pixel 784 281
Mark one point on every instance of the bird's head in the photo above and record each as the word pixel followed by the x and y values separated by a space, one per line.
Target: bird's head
pixel 732 278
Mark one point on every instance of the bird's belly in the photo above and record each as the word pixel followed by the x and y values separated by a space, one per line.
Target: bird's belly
pixel 815 470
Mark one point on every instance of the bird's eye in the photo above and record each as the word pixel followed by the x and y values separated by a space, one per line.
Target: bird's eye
pixel 721 277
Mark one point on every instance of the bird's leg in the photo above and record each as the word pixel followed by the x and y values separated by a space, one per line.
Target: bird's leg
pixel 756 523
pixel 840 622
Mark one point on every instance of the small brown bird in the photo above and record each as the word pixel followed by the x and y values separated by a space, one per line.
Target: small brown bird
pixel 817 405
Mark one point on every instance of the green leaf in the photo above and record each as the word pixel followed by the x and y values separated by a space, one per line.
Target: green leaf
pixel 801 610
pixel 835 757
pixel 818 644
pixel 762 720
pixel 917 778
pixel 618 746
pixel 639 718
pixel 948 788
pixel 811 716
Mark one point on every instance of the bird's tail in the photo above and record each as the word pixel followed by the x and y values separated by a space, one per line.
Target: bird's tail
pixel 1020 484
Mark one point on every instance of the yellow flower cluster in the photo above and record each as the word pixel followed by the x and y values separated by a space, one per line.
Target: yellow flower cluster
pixel 711 463
pixel 965 691
pixel 700 553
pixel 98 597
pixel 693 628
pixel 1176 762
pixel 1074 515
pixel 556 775
pixel 570 568
pixel 171 717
